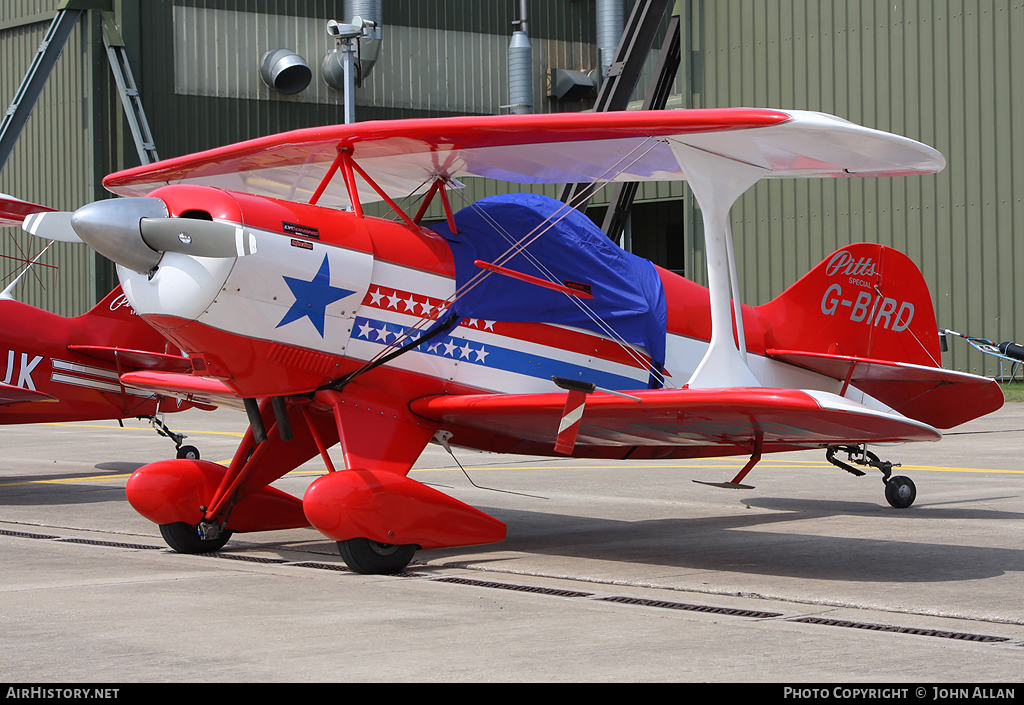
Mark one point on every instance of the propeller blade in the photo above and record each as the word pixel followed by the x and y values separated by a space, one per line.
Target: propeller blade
pixel 52 225
pixel 199 238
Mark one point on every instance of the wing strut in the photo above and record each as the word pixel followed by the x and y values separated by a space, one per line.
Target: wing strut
pixel 327 179
pixel 350 182
pixel 349 168
pixel 717 182
pixel 438 185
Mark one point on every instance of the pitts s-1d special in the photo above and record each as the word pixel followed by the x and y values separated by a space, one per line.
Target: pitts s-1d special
pixel 516 326
pixel 56 368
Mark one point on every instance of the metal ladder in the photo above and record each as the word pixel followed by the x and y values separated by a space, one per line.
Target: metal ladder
pixel 42 65
pixel 616 89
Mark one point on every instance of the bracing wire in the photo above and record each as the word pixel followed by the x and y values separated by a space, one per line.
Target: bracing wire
pixel 519 246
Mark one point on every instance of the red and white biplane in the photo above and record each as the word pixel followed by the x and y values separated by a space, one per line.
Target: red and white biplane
pixel 68 369
pixel 515 326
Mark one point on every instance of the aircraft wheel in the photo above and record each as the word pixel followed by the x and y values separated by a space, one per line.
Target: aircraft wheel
pixel 900 491
pixel 188 453
pixel 372 558
pixel 184 538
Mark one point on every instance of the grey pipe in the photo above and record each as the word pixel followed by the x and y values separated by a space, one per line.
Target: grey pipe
pixel 520 67
pixel 610 23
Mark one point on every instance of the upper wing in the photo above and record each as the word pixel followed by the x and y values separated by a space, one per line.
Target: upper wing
pixel 682 417
pixel 14 210
pixel 404 156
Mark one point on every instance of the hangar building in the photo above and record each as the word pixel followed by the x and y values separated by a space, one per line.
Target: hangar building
pixel 942 72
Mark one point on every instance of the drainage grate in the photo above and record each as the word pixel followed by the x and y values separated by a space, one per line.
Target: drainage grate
pixel 236 557
pixel 692 608
pixel 324 566
pixel 520 588
pixel 113 544
pixel 26 535
pixel 900 630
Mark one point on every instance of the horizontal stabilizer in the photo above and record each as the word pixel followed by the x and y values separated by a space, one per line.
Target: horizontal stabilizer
pixel 17 395
pixel 933 395
pixel 14 210
pixel 137 359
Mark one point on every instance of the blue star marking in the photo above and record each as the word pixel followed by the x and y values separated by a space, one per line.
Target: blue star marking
pixel 313 297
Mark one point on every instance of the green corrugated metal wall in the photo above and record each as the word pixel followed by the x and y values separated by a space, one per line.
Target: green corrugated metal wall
pixel 53 162
pixel 945 73
pixel 940 72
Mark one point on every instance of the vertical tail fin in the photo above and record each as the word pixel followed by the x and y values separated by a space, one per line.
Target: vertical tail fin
pixel 864 300
pixel 864 316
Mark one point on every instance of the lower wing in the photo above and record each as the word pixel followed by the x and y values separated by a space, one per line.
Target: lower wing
pixel 739 417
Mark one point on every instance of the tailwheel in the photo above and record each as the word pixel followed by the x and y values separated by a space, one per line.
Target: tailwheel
pixel 372 558
pixel 183 451
pixel 192 538
pixel 900 491
pixel 188 452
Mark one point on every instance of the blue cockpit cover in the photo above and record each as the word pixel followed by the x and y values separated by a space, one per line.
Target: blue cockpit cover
pixel 628 293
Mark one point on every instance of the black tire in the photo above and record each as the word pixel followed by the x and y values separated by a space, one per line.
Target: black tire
pixel 184 538
pixel 372 558
pixel 900 491
pixel 188 453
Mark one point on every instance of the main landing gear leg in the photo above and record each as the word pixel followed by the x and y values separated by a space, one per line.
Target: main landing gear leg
pixel 188 452
pixel 900 491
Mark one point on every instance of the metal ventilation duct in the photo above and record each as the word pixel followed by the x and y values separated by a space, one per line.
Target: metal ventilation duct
pixel 520 67
pixel 570 86
pixel 610 24
pixel 369 47
pixel 285 71
pixel 332 69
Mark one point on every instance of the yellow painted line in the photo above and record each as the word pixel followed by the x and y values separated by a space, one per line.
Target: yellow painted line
pixel 936 468
pixel 779 464
pixel 908 468
pixel 90 478
pixel 67 480
pixel 148 429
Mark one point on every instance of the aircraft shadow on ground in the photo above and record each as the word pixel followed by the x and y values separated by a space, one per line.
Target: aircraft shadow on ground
pixel 61 487
pixel 750 544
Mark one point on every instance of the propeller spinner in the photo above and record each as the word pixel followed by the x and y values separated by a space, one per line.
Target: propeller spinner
pixel 136 232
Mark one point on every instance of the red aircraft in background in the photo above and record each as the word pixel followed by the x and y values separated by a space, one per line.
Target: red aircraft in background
pixel 68 369
pixel 515 326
